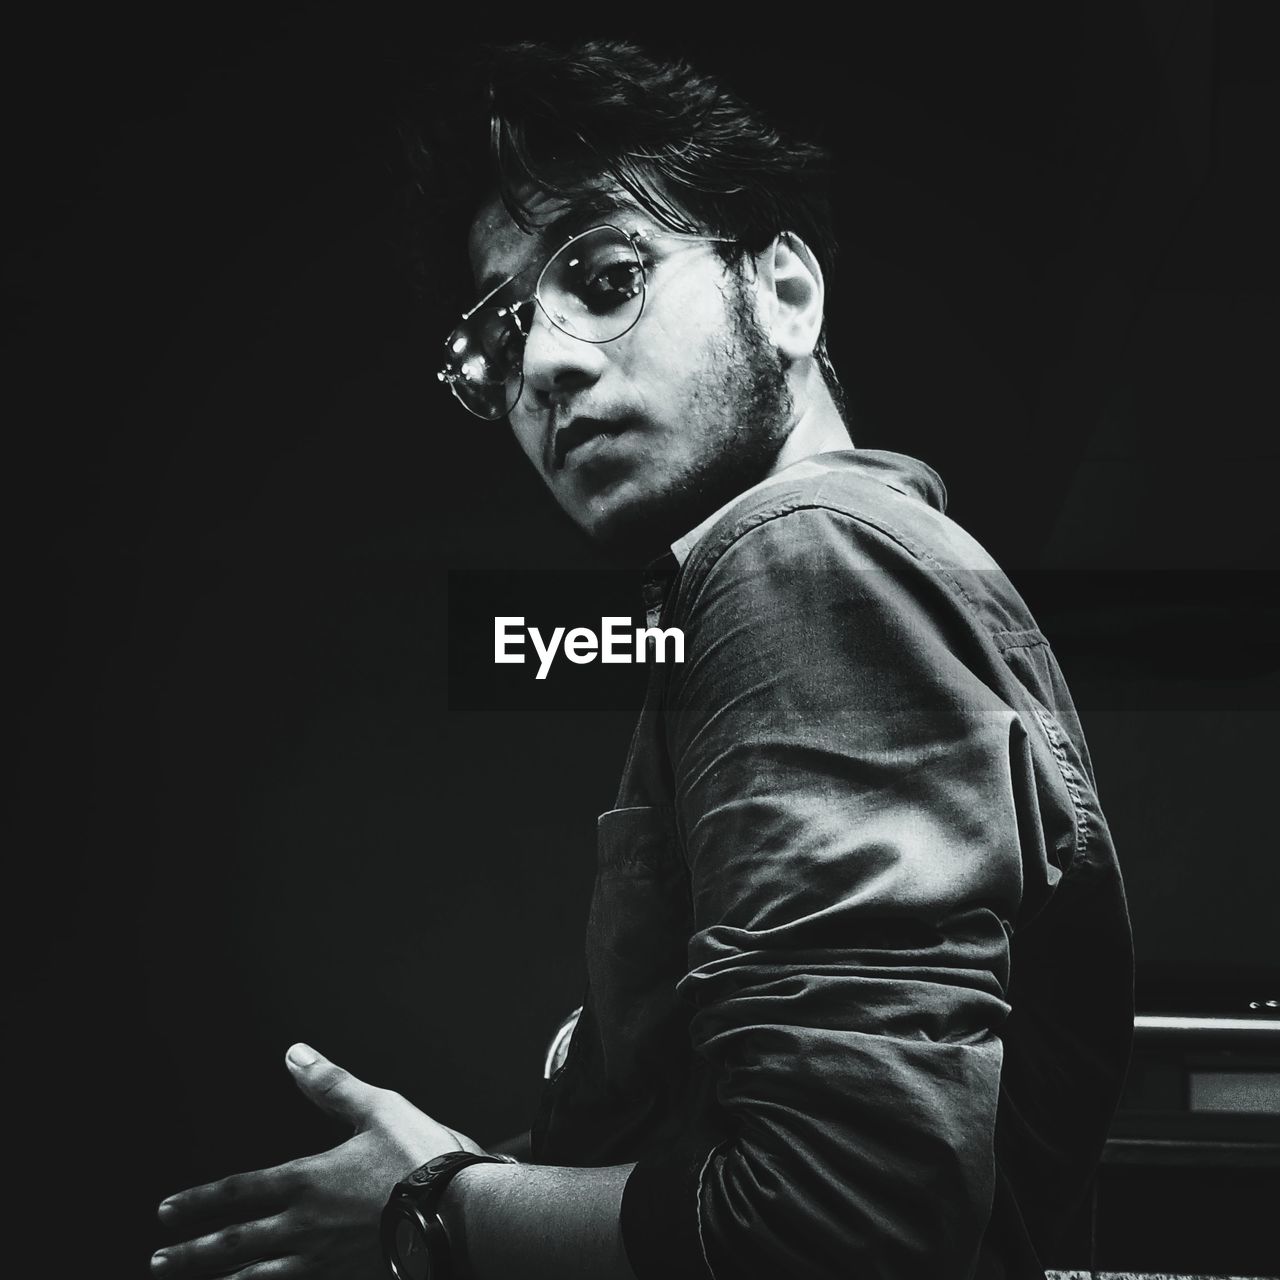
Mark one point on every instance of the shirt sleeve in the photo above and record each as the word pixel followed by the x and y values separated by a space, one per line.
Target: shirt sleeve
pixel 845 797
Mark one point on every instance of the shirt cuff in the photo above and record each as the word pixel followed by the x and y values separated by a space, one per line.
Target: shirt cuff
pixel 661 1229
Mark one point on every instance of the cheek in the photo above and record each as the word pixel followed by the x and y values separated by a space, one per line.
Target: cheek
pixel 691 311
pixel 678 346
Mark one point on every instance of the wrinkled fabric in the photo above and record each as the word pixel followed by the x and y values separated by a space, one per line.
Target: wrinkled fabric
pixel 859 968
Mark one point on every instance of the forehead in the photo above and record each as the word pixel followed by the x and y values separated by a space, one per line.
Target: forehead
pixel 499 249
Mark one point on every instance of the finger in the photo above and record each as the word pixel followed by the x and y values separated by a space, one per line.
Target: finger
pixel 224 1251
pixel 239 1198
pixel 331 1088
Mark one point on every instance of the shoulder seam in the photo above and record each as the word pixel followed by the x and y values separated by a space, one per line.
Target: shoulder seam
pixel 1070 778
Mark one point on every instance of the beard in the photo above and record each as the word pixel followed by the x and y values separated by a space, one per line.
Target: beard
pixel 743 415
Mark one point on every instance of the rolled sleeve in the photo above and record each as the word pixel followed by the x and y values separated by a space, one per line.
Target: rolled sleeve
pixel 845 799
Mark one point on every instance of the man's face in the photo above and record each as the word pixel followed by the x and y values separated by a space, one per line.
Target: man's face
pixel 641 438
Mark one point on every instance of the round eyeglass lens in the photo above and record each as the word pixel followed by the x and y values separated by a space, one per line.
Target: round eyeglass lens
pixel 483 360
pixel 593 288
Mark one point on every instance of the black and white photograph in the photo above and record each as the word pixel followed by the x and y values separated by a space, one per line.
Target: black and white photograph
pixel 648 641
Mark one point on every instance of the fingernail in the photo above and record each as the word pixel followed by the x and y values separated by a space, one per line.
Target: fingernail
pixel 166 1209
pixel 159 1261
pixel 301 1055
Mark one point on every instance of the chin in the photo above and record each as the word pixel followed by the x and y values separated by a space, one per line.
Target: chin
pixel 632 528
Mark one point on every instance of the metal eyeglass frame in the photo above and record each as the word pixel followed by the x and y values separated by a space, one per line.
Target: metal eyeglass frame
pixel 516 309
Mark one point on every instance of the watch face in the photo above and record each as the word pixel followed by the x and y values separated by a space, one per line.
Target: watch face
pixel 412 1259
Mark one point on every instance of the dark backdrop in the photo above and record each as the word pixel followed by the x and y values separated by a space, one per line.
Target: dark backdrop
pixel 246 813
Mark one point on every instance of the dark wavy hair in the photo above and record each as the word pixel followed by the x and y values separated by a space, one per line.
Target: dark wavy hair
pixel 562 118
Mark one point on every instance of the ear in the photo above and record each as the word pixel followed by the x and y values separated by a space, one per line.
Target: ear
pixel 791 295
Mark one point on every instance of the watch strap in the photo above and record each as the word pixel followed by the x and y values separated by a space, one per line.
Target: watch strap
pixel 427 1183
pixel 419 1195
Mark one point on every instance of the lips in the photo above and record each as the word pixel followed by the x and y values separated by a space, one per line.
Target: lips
pixel 579 431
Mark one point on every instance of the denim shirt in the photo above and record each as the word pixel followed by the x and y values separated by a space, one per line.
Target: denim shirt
pixel 859 968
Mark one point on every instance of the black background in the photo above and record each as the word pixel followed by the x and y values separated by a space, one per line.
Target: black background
pixel 246 812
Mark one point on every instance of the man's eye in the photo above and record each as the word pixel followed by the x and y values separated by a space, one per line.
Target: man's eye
pixel 497 334
pixel 610 283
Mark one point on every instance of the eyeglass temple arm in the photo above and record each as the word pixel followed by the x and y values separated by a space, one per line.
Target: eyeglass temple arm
pixel 680 235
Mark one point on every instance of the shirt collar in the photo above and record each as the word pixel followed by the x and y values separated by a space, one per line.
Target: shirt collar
pixel 906 475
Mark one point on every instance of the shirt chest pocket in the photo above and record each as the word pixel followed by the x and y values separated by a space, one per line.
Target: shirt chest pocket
pixel 637 941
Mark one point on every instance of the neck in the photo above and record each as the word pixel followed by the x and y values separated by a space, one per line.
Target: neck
pixel 818 427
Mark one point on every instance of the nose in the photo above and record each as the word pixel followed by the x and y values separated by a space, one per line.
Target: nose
pixel 556 362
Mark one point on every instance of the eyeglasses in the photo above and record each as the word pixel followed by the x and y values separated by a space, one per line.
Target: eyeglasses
pixel 592 288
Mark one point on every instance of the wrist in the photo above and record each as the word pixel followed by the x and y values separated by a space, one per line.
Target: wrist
pixel 472 1195
pixel 416 1242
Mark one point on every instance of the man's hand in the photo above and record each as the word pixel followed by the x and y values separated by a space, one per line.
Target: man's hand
pixel 315 1217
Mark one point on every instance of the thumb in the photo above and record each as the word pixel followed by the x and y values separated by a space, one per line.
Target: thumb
pixel 331 1088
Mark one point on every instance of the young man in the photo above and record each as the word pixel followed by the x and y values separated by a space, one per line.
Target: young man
pixel 859 965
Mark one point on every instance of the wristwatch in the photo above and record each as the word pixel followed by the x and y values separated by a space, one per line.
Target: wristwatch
pixel 414 1241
